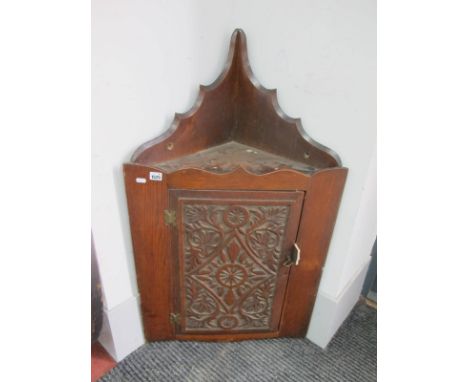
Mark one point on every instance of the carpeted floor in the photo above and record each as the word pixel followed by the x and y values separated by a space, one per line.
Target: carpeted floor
pixel 350 356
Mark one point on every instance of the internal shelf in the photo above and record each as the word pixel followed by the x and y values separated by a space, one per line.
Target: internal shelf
pixel 229 156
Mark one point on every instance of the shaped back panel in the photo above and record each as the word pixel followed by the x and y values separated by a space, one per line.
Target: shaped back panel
pixel 236 107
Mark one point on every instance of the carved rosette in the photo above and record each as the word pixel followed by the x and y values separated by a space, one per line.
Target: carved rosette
pixel 231 261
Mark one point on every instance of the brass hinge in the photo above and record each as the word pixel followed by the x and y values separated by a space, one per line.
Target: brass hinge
pixel 170 217
pixel 174 318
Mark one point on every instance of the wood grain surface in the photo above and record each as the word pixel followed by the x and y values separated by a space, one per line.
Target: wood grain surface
pixel 234 158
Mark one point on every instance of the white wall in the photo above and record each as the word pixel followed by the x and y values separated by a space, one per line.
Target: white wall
pixel 148 58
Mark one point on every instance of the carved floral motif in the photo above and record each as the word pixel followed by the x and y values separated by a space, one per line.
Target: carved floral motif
pixel 231 261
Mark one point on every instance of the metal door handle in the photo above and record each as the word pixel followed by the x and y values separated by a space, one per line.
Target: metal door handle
pixel 294 257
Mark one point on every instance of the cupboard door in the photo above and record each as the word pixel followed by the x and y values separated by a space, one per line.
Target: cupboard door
pixel 229 259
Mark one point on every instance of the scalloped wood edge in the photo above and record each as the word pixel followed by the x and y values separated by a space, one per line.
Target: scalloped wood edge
pixel 236 107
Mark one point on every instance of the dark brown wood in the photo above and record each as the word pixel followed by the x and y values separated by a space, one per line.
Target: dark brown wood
pixel 225 158
pixel 146 205
pixel 216 204
pixel 238 179
pixel 232 246
pixel 236 108
pixel 318 219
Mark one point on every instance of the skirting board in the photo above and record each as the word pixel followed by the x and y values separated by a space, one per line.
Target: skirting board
pixel 121 331
pixel 330 312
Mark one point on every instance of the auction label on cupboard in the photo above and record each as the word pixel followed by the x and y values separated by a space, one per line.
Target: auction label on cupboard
pixel 157 176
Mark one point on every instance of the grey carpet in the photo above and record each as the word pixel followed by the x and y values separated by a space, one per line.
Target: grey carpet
pixel 350 356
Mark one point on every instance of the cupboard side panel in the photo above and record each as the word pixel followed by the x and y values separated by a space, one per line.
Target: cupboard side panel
pixel 151 247
pixel 316 227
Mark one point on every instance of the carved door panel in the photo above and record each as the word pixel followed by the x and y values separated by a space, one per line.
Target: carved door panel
pixel 229 252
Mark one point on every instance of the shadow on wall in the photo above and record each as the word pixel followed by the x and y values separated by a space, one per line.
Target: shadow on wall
pixel 96 297
pixel 369 289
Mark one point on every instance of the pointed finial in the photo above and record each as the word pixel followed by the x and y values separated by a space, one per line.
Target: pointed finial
pixel 238 49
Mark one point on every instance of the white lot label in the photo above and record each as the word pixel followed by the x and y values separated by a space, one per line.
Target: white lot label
pixel 157 176
pixel 141 180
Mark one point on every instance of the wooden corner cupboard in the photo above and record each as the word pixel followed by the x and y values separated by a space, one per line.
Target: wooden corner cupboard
pixel 231 213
